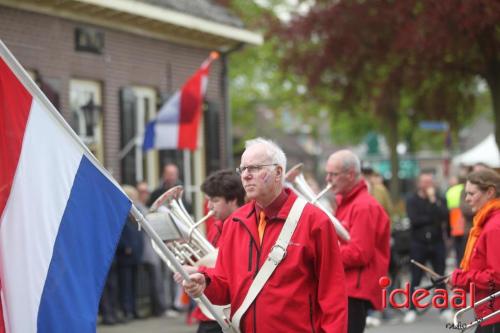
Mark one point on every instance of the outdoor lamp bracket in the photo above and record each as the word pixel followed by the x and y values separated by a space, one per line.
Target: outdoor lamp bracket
pixel 91 112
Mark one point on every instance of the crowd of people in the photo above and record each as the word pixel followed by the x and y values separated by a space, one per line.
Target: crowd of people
pixel 281 265
pixel 135 255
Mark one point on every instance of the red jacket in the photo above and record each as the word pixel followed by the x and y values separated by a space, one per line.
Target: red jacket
pixel 366 255
pixel 484 269
pixel 306 292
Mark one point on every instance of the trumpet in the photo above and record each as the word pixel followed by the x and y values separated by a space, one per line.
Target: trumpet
pixel 163 251
pixel 170 219
pixel 466 318
pixel 174 224
pixel 295 178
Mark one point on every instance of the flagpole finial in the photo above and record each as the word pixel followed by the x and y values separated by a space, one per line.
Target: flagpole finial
pixel 214 55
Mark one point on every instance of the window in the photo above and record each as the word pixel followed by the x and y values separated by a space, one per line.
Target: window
pixel 138 107
pixel 85 98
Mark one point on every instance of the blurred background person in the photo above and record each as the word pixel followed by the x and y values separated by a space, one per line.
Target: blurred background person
pixel 378 190
pixel 154 266
pixel 366 256
pixel 460 215
pixel 108 305
pixel 128 258
pixel 428 216
pixel 480 166
pixel 170 178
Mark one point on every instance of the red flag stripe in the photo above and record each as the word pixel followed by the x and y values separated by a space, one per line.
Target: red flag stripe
pixel 190 110
pixel 15 104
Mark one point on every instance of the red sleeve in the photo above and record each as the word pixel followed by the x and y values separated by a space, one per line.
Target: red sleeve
pixel 359 250
pixel 483 278
pixel 332 295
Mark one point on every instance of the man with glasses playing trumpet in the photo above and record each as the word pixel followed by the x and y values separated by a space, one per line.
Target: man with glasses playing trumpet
pixel 366 256
pixel 304 291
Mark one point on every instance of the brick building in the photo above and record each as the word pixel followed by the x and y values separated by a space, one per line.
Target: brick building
pixel 108 65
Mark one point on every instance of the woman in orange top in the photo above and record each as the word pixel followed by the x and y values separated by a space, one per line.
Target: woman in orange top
pixel 481 262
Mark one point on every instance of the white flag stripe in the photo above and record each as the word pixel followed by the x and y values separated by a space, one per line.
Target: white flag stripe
pixel 35 208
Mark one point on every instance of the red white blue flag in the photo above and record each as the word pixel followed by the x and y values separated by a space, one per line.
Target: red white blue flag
pixel 176 125
pixel 61 214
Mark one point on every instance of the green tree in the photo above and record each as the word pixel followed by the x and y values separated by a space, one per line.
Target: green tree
pixel 258 80
pixel 360 51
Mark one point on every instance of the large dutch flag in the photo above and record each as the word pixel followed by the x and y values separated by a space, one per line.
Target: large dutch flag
pixel 177 122
pixel 61 214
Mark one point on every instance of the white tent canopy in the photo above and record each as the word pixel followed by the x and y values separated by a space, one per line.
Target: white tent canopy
pixel 485 152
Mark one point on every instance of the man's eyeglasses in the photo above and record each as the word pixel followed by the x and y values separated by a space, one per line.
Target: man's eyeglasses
pixel 252 169
pixel 334 174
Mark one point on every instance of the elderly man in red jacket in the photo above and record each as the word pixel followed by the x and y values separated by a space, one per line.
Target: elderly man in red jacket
pixel 366 255
pixel 306 292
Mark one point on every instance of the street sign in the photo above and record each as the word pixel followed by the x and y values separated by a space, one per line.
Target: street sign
pixel 438 126
pixel 408 169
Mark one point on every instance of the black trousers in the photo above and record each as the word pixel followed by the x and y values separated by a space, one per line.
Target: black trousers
pixel 495 328
pixel 109 298
pixel 209 327
pixel 356 313
pixel 423 252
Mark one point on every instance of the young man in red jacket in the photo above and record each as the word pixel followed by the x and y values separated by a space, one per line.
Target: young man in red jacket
pixel 306 292
pixel 366 256
pixel 225 194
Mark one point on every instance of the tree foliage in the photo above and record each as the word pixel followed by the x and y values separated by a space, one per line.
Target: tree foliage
pixel 415 59
pixel 258 81
pixel 362 50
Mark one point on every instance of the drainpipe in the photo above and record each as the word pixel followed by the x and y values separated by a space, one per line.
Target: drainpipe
pixel 227 160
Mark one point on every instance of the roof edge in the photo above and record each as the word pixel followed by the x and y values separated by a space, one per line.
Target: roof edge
pixel 179 19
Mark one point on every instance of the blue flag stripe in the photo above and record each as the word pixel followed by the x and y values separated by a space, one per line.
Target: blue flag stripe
pixel 90 228
pixel 149 136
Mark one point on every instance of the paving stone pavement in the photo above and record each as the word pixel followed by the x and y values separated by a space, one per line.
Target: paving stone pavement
pixel 426 323
pixel 151 325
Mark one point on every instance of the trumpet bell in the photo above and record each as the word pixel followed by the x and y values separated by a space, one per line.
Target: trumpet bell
pixel 296 181
pixel 175 193
pixel 176 228
pixel 164 226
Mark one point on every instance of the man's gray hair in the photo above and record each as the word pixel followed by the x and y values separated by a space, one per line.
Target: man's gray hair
pixel 350 161
pixel 273 151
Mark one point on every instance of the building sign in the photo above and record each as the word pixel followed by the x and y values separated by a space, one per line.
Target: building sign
pixel 408 169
